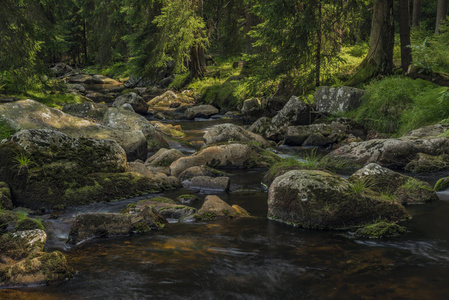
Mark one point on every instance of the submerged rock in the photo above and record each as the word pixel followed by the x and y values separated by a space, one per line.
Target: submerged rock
pixel 95 225
pixel 215 208
pixel 208 184
pixel 395 186
pixel 165 206
pixel 224 133
pixel 231 155
pixel 381 230
pixel 320 200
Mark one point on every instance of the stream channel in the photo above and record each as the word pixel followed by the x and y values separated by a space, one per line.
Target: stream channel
pixel 251 258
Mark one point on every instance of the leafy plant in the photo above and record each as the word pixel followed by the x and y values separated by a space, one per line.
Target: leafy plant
pixel 359 186
pixel 23 159
pixel 5 130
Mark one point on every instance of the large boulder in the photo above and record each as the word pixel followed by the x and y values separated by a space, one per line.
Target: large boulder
pixel 295 112
pixel 252 108
pixel 160 177
pixel 224 133
pixel 231 156
pixel 200 111
pixel 398 187
pixel 342 99
pixel 320 200
pixel 391 153
pixel 260 126
pixel 95 225
pixel 428 163
pixel 23 263
pixel 139 105
pixel 30 114
pixel 215 208
pixel 170 99
pixel 47 168
pixel 323 135
pixel 92 79
pixel 120 119
pixel 164 158
pixel 86 110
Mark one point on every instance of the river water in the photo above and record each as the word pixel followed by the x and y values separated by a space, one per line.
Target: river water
pixel 252 258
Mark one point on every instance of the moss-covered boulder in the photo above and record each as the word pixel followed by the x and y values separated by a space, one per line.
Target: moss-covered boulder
pixel 201 171
pixel 168 208
pixel 29 114
pixel 138 104
pixel 260 126
pixel 391 153
pixel 428 163
pixel 442 184
pixel 214 208
pixel 200 111
pixel 22 261
pixel 381 230
pixel 396 186
pixel 224 133
pixel 47 168
pixel 95 225
pixel 172 131
pixel 321 200
pixel 170 99
pixel 230 156
pixel 120 119
pixel 157 174
pixel 162 159
pixel 7 218
pixel 5 196
pixel 187 198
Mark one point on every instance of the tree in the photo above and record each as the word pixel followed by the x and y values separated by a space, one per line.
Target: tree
pixel 379 60
pixel 404 32
pixel 416 13
pixel 441 14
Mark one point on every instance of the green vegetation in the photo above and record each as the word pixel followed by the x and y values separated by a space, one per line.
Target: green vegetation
pixel 380 230
pixel 442 184
pixel 359 186
pixel 5 130
pixel 397 104
pixel 23 159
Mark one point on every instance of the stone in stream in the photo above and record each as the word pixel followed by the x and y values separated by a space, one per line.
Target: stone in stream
pixel 30 114
pixel 46 168
pixel 394 186
pixel 320 200
pixel 162 159
pixel 252 108
pixel 86 109
pixel 215 208
pixel 139 105
pixel 170 99
pixel 200 111
pixel 201 171
pixel 23 263
pixel 230 156
pixel 260 126
pixel 224 133
pixel 208 184
pixel 95 225
pixel 442 184
pixel 166 207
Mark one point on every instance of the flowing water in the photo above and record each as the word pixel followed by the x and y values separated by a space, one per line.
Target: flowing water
pixel 252 258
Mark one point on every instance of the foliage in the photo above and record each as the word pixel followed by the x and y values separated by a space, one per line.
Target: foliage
pixel 357 187
pixel 23 159
pixel 5 130
pixel 398 104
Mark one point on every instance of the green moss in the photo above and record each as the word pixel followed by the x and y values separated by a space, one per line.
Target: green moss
pixel 442 184
pixel 5 129
pixel 381 230
pixel 141 227
pixel 29 224
pixel 208 216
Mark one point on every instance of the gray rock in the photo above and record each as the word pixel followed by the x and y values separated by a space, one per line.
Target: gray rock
pixel 200 111
pixel 295 112
pixel 139 105
pixel 260 126
pixel 252 108
pixel 320 200
pixel 224 133
pixel 200 171
pixel 164 158
pixel 86 110
pixel 341 99
pixel 215 208
pixel 208 184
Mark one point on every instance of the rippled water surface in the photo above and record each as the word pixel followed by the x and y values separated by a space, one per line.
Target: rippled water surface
pixel 253 258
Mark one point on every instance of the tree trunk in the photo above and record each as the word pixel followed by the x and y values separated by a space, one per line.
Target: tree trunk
pixel 197 62
pixel 416 13
pixel 441 14
pixel 318 47
pixel 379 60
pixel 250 21
pixel 404 32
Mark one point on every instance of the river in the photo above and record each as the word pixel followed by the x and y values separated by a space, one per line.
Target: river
pixel 252 258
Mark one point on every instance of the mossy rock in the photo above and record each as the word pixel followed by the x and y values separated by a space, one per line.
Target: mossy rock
pixel 188 198
pixel 166 207
pixel 381 230
pixel 41 269
pixel 5 196
pixel 7 217
pixel 428 163
pixel 215 208
pixel 321 200
pixel 29 224
pixel 442 184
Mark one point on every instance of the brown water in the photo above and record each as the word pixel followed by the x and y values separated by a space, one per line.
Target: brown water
pixel 253 258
